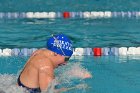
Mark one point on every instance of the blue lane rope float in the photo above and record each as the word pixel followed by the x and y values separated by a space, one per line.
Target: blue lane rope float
pixel 105 51
pixel 86 14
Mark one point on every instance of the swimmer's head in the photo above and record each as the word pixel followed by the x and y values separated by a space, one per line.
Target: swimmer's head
pixel 60 44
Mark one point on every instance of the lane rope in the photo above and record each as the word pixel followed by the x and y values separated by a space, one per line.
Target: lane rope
pixel 97 51
pixel 86 14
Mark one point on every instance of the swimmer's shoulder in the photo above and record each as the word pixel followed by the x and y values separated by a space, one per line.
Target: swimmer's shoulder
pixel 47 67
pixel 38 51
pixel 42 60
pixel 38 57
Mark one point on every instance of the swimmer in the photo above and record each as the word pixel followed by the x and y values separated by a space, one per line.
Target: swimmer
pixel 38 71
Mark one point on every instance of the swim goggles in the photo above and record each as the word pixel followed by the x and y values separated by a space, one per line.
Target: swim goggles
pixel 57 42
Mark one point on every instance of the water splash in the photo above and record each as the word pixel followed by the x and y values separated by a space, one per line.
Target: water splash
pixel 72 70
pixel 67 80
pixel 71 76
pixel 8 84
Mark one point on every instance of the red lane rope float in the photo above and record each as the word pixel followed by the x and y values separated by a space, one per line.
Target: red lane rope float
pixel 66 14
pixel 97 51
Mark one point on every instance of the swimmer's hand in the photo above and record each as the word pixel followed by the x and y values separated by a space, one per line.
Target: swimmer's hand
pixel 60 90
pixel 87 75
pixel 81 74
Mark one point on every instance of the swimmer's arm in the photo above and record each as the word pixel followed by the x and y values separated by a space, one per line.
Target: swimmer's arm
pixel 80 86
pixel 45 77
pixel 87 75
pixel 81 74
pixel 60 90
pixel 63 90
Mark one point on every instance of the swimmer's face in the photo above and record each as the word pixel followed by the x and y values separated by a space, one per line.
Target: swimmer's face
pixel 63 60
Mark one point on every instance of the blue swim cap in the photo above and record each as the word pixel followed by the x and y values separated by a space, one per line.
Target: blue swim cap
pixel 60 44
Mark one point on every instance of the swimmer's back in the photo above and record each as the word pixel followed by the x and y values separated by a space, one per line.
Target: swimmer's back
pixel 30 74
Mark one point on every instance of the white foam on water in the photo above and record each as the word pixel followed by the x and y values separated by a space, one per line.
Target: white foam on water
pixel 66 74
pixel 71 72
pixel 8 84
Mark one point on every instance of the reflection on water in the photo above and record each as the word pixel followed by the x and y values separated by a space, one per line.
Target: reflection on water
pixel 122 59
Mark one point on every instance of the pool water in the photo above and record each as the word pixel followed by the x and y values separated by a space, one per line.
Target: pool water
pixel 110 74
pixel 112 32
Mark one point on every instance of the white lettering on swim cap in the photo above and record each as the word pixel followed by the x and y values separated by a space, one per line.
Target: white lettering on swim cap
pixel 62 44
pixel 70 48
pixel 67 47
